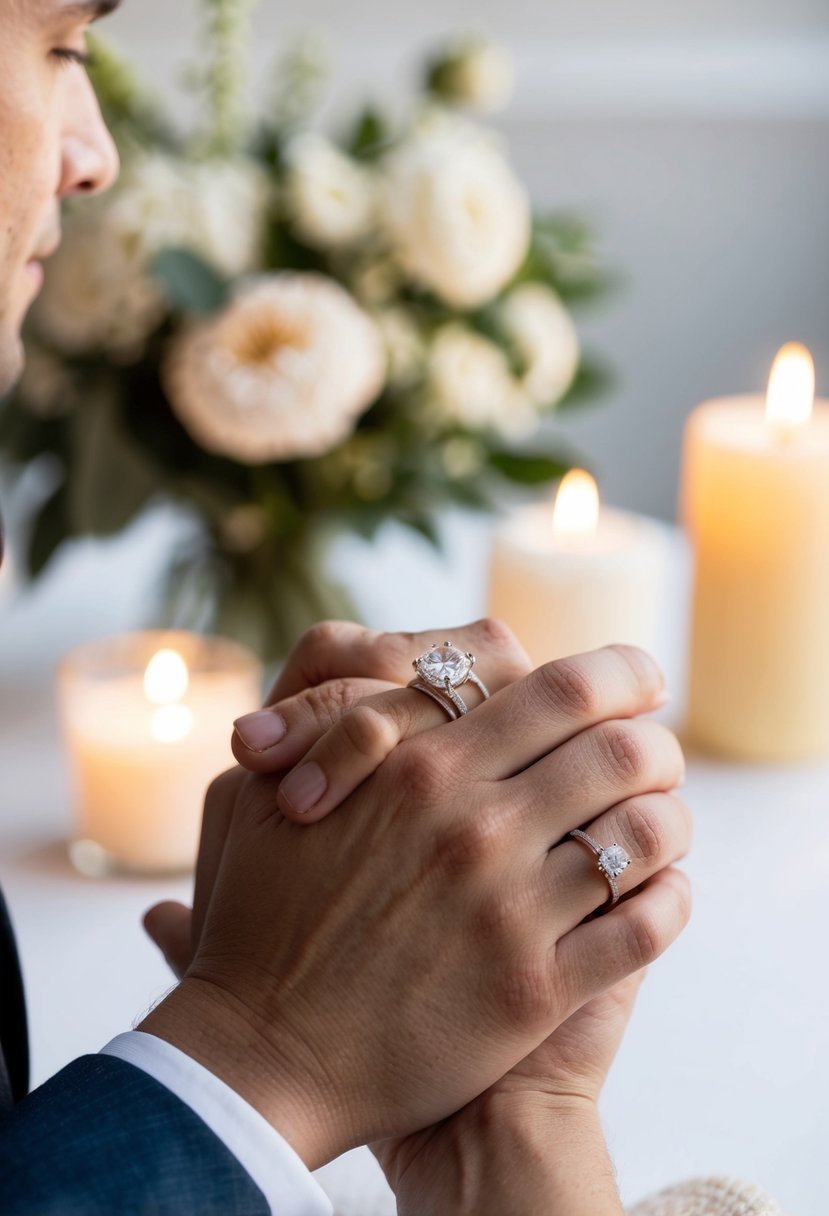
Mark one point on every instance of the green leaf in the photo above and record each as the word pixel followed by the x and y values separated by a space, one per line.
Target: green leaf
pixel 529 469
pixel 51 528
pixel 190 284
pixel 425 525
pixel 370 135
pixel 111 480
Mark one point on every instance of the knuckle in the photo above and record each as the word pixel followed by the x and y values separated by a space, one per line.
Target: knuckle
pixel 368 732
pixel 491 632
pixel 623 752
pixel 566 685
pixel 323 635
pixel 329 702
pixel 646 938
pixel 643 832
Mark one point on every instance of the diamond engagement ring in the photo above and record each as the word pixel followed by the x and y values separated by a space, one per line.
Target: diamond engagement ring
pixel 441 671
pixel 613 860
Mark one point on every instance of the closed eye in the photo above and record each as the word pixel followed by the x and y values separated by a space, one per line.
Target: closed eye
pixel 67 55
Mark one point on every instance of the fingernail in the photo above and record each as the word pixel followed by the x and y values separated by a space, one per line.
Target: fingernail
pixel 261 730
pixel 662 699
pixel 304 787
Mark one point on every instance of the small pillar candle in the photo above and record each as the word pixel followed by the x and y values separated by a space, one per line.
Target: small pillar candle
pixel 755 501
pixel 577 577
pixel 147 720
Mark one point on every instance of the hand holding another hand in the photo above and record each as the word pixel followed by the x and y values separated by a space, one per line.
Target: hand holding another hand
pixel 372 976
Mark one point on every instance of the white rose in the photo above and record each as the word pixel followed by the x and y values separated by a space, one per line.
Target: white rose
pixel 214 208
pixel 97 294
pixel 472 386
pixel 458 216
pixel 283 372
pixel 477 75
pixel 546 340
pixel 331 198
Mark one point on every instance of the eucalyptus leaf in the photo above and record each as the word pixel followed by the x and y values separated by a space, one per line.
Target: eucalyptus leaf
pixel 111 479
pixel 370 135
pixel 190 284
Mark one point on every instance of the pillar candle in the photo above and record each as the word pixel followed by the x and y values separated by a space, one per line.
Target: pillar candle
pixel 755 500
pixel 147 720
pixel 579 577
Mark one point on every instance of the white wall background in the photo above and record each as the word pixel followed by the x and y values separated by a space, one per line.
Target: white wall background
pixel 695 133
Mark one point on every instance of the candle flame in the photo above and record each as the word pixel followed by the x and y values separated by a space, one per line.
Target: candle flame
pixel 791 395
pixel 166 678
pixel 171 723
pixel 576 512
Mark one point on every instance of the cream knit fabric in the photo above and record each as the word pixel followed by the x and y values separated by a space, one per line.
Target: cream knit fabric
pixel 709 1197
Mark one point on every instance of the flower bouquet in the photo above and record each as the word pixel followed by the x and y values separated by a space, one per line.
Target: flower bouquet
pixel 290 333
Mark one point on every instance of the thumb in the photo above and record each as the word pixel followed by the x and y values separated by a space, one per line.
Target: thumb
pixel 169 926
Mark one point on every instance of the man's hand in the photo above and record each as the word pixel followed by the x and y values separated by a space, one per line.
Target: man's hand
pixel 372 976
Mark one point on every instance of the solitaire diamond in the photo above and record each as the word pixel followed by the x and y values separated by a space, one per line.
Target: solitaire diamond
pixel 442 663
pixel 613 860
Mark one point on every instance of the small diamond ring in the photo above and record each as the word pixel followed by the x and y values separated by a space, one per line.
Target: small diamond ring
pixel 613 860
pixel 441 671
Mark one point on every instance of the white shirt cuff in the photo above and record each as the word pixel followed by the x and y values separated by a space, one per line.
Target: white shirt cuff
pixel 280 1174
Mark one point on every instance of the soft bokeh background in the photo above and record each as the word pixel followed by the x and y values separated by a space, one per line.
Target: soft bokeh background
pixel 696 134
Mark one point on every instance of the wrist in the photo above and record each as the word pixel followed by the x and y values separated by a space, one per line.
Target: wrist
pixel 539 1152
pixel 222 1034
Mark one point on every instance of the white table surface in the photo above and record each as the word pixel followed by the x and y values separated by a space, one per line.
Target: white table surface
pixel 726 1066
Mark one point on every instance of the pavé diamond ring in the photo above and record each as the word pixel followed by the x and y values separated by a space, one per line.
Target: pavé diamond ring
pixel 613 860
pixel 441 671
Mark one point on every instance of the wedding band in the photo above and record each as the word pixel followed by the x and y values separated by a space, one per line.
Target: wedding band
pixel 613 861
pixel 441 670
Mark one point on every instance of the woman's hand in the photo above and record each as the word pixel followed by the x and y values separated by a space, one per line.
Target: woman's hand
pixel 335 668
pixel 533 1141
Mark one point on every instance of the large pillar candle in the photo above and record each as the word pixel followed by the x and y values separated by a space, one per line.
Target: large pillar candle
pixel 755 500
pixel 578 577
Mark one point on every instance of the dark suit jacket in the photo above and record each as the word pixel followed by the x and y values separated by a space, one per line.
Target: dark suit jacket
pixel 103 1138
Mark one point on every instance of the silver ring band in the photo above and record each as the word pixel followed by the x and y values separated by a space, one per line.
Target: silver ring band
pixel 613 860
pixel 437 697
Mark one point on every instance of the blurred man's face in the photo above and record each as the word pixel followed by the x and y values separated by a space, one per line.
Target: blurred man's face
pixel 53 144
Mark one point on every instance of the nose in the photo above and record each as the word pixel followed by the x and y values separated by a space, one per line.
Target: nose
pixel 89 158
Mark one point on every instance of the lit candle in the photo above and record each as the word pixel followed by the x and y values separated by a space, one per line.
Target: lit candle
pixel 579 576
pixel 148 719
pixel 756 503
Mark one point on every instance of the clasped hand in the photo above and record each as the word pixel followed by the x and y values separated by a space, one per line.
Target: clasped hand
pixel 365 980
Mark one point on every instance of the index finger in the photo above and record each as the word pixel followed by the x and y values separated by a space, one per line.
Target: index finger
pixel 333 650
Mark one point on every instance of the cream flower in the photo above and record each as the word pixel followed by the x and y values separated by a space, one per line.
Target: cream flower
pixel 97 294
pixel 546 340
pixel 283 372
pixel 471 385
pixel 477 75
pixel 458 216
pixel 404 344
pixel 215 208
pixel 331 198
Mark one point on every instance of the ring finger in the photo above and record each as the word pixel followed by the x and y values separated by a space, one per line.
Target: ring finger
pixel 654 830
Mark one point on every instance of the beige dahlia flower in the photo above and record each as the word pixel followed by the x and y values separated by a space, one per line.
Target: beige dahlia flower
pixel 283 372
